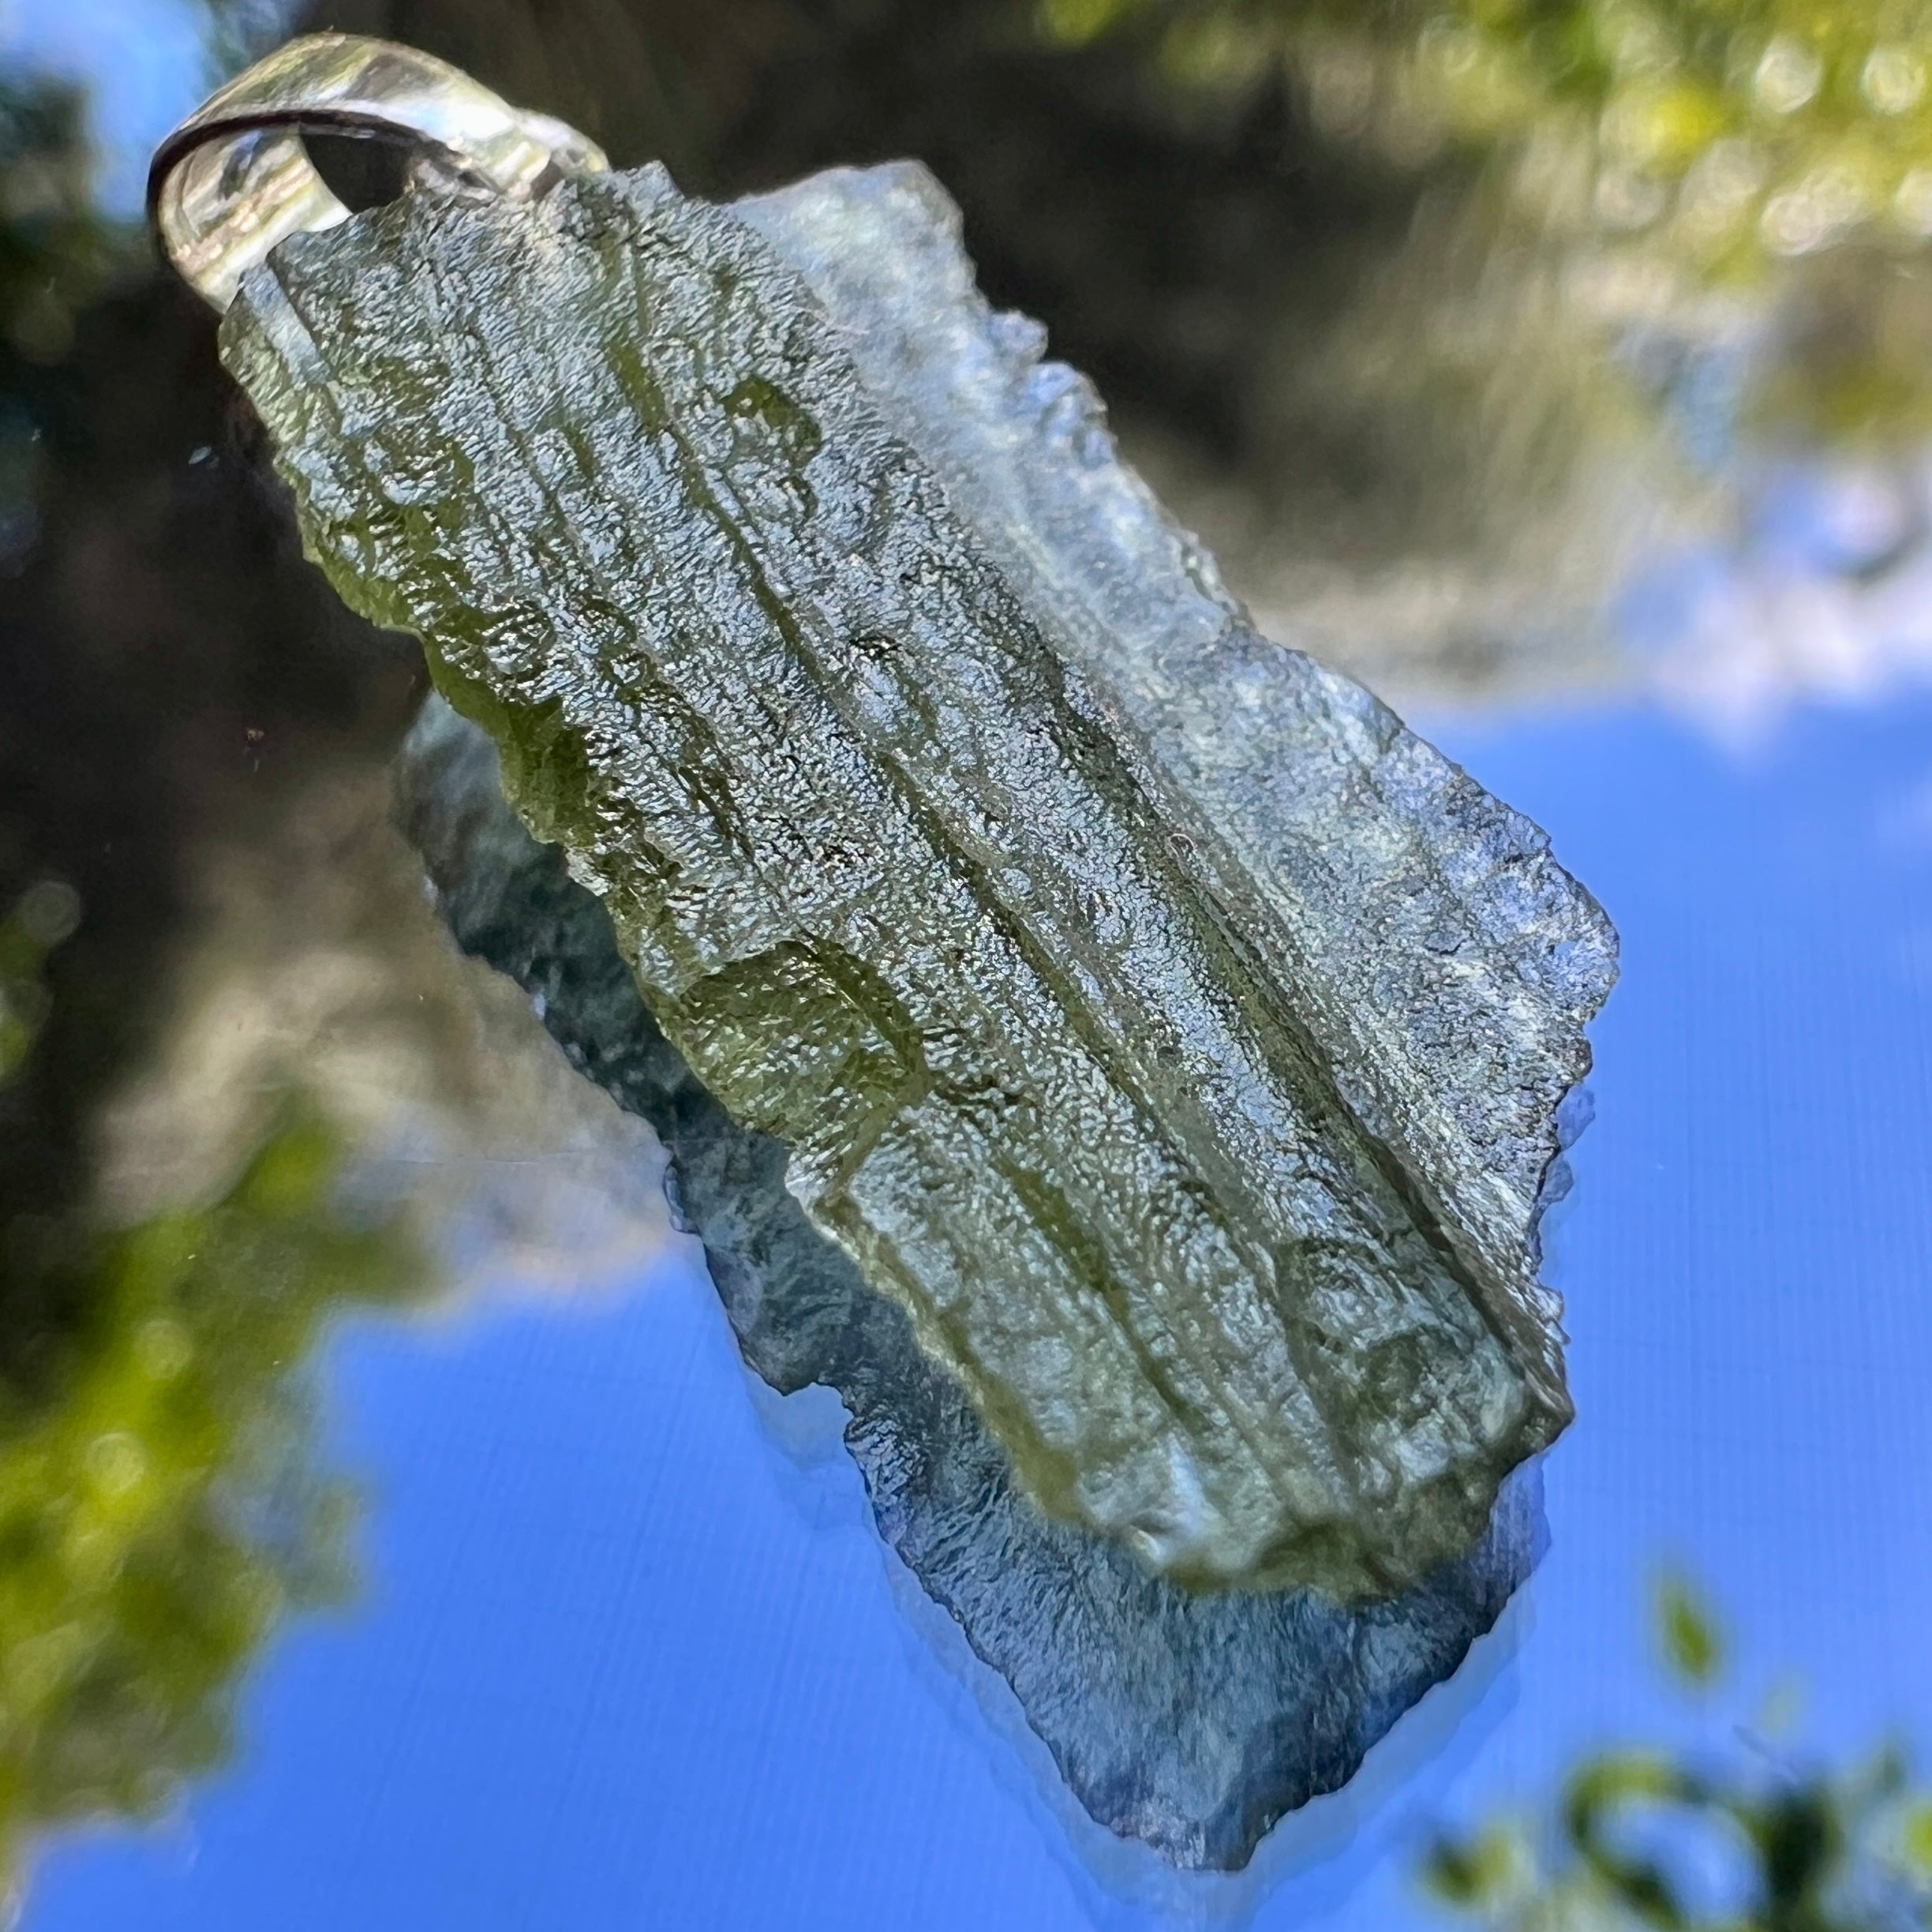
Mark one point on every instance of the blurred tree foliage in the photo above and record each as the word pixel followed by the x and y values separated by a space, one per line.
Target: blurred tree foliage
pixel 1646 154
pixel 1743 1838
pixel 1738 127
pixel 158 1504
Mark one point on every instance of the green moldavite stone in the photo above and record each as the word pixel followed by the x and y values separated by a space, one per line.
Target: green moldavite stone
pixel 1176 1035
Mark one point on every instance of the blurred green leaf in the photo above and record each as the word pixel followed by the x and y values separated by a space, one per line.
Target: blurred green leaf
pixel 1476 1874
pixel 1687 1631
pixel 1916 1836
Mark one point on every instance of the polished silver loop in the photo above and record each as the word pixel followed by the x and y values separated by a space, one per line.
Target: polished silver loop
pixel 234 179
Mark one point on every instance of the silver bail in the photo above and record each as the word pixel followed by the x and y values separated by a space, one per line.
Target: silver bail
pixel 234 178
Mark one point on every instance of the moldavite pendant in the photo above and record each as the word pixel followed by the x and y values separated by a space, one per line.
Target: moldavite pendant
pixel 1175 1036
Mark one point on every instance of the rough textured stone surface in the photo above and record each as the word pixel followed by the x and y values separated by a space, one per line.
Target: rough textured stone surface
pixel 1172 1033
pixel 1189 1720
